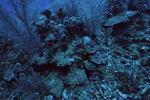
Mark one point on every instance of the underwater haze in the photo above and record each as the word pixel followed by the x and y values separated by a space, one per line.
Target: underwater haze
pixel 74 49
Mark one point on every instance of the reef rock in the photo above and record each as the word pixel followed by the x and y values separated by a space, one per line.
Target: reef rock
pixel 121 18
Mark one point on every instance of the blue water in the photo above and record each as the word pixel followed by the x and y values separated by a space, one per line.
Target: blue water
pixel 41 4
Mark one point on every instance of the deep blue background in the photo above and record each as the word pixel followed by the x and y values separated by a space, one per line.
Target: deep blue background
pixel 42 4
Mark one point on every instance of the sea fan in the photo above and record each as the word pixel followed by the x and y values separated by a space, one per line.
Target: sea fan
pixel 93 12
pixel 15 22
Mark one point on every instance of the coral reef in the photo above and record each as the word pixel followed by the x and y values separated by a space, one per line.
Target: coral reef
pixel 112 64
